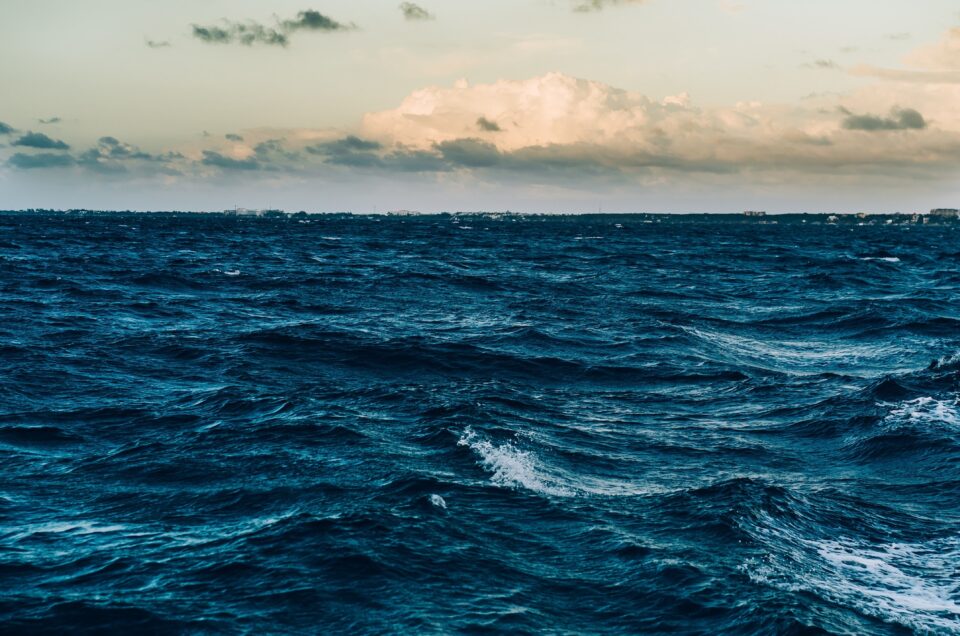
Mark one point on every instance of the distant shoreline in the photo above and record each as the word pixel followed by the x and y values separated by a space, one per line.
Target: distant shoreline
pixel 935 217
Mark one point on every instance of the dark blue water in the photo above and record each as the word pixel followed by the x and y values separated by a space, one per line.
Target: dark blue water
pixel 216 425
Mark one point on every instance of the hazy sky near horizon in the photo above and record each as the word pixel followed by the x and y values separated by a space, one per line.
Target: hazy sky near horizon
pixel 536 105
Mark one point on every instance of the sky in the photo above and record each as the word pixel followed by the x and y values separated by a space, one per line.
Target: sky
pixel 448 105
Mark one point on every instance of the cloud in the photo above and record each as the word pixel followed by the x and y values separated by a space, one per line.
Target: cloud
pixel 157 44
pixel 315 21
pixel 217 160
pixel 470 153
pixel 247 34
pixel 40 161
pixel 346 145
pixel 113 148
pixel 112 156
pixel 413 11
pixel 897 36
pixel 486 125
pixel 250 32
pixel 823 64
pixel 51 120
pixel 6 129
pixel 560 125
pixel 348 151
pixel 557 131
pixel 937 63
pixel 899 119
pixel 587 6
pixel 941 56
pixel 39 140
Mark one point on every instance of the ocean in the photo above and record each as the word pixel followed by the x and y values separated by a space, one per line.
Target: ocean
pixel 475 424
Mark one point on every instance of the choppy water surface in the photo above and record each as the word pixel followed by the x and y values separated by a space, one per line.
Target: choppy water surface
pixel 215 425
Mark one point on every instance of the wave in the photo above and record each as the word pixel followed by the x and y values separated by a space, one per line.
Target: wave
pixel 511 467
pixel 912 584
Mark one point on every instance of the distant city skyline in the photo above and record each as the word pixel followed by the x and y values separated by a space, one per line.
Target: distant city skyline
pixel 530 105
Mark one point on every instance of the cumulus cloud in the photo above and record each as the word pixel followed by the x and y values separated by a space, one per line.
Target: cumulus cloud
pixel 559 123
pixel 6 129
pixel 50 120
pixel 560 131
pixel 41 141
pixel 40 161
pixel 412 11
pixel 587 6
pixel 157 44
pixel 899 119
pixel 250 32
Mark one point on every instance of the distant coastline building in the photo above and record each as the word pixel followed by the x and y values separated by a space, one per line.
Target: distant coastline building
pixel 249 212
pixel 946 213
pixel 754 213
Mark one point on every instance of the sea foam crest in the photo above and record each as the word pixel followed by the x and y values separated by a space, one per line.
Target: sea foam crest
pixel 925 412
pixel 912 584
pixel 511 467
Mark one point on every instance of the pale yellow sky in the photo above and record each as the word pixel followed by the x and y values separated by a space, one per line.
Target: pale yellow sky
pixel 683 104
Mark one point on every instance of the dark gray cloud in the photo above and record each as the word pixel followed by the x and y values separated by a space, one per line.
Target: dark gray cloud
pixel 6 129
pixel 217 160
pixel 272 150
pixel 39 140
pixel 487 125
pixel 157 44
pixel 355 152
pixel 233 137
pixel 349 151
pixel 113 148
pixel 50 120
pixel 40 161
pixel 310 20
pixel 111 156
pixel 899 119
pixel 250 32
pixel 415 161
pixel 470 153
pixel 412 11
pixel 343 146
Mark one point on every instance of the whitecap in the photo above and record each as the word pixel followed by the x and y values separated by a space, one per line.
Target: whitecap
pixel 912 584
pixel 511 467
pixel 438 501
pixel 232 272
pixel 925 412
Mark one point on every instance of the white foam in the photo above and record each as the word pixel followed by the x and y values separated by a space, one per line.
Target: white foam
pixel 80 528
pixel 438 501
pixel 803 355
pixel 925 412
pixel 232 272
pixel 911 584
pixel 511 467
pixel 888 259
